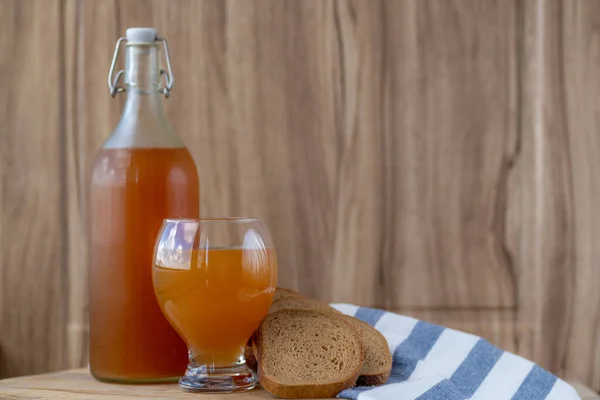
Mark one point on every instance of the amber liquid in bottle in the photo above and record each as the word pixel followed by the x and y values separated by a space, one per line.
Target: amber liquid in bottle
pixel 141 175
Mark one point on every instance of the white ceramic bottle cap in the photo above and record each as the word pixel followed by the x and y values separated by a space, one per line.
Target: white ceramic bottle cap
pixel 141 35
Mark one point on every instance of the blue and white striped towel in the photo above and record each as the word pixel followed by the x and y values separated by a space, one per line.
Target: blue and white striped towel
pixel 431 362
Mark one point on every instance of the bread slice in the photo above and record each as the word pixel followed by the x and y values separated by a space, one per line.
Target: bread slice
pixel 284 294
pixel 378 360
pixel 302 303
pixel 249 356
pixel 287 299
pixel 307 354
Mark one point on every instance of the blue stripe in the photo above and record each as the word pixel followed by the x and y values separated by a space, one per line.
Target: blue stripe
pixel 413 349
pixel 353 392
pixel 369 315
pixel 478 364
pixel 445 390
pixel 537 385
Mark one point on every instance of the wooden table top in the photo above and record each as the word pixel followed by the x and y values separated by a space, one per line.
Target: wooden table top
pixel 78 384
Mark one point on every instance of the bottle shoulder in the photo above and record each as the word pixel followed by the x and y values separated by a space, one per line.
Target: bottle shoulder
pixel 114 165
pixel 132 134
pixel 143 124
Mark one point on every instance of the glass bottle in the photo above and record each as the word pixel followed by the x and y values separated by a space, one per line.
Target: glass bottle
pixel 142 174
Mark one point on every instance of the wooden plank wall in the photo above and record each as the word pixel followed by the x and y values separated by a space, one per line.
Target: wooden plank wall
pixel 438 158
pixel 33 290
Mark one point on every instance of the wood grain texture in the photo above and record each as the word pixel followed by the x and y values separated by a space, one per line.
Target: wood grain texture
pixel 78 384
pixel 434 157
pixel 322 118
pixel 32 261
pixel 559 169
pixel 440 235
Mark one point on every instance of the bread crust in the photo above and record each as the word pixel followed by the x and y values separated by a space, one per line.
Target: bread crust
pixel 381 375
pixel 302 303
pixel 249 356
pixel 373 380
pixel 284 294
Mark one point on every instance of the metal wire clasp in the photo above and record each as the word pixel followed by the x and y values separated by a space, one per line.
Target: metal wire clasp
pixel 113 82
pixel 169 78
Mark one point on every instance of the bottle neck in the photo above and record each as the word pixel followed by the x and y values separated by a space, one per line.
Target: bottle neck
pixel 142 81
pixel 143 122
pixel 142 71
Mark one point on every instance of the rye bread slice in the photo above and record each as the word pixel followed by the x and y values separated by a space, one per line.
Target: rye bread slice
pixel 302 303
pixel 284 294
pixel 281 294
pixel 289 299
pixel 307 354
pixel 249 356
pixel 378 360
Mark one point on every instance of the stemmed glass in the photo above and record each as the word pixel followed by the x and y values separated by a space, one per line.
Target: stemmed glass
pixel 214 280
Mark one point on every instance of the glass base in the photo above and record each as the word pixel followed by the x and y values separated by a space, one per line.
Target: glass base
pixel 208 379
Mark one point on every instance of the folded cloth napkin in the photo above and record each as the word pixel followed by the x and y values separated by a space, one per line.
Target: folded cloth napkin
pixel 431 362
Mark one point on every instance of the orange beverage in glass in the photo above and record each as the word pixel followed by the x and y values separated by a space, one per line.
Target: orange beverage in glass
pixel 214 280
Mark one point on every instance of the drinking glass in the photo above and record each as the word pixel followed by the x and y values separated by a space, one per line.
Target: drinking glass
pixel 214 279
